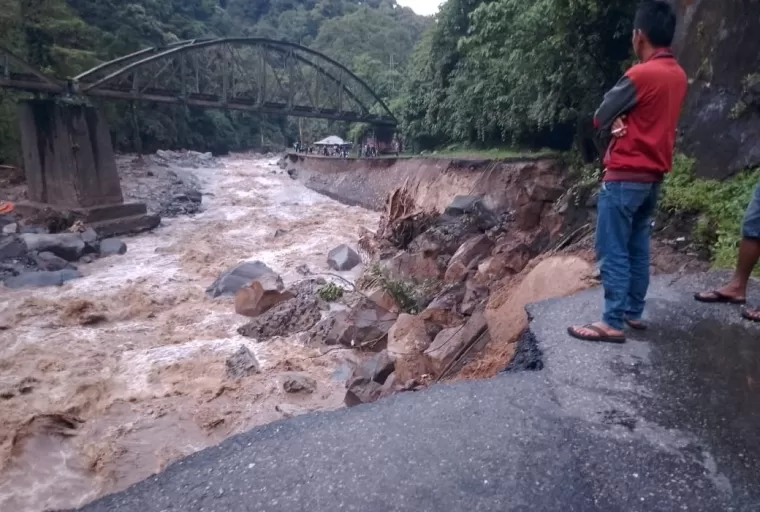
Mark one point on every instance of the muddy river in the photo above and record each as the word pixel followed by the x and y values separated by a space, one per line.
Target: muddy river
pixel 108 379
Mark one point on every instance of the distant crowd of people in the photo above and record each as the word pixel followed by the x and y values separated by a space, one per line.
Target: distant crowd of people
pixel 367 150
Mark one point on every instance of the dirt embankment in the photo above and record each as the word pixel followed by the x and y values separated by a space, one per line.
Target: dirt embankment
pixel 434 182
pixel 527 237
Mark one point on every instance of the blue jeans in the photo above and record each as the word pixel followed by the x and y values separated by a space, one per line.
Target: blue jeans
pixel 751 225
pixel 622 247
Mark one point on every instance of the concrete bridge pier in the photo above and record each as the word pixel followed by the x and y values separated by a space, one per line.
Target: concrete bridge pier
pixel 70 167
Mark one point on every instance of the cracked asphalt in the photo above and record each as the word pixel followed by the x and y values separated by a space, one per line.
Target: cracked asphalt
pixel 668 421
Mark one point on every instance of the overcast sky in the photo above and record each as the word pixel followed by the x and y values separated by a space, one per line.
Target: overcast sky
pixel 423 7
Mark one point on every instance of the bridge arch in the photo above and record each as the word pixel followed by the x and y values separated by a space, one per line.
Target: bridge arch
pixel 244 73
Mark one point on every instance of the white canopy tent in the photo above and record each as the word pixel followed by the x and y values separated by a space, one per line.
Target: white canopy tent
pixel 332 140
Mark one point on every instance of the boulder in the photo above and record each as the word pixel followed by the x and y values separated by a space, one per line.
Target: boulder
pixel 242 363
pixel 299 383
pixel 450 343
pixel 370 323
pixel 467 258
pixel 444 308
pixel 12 247
pixel 51 262
pixel 335 329
pixel 89 236
pixel 42 279
pixel 343 258
pixel 473 206
pixel 68 246
pixel 475 296
pixel 10 229
pixel 233 280
pixel 383 299
pixel 491 269
pixel 111 246
pixel 408 339
pixel 261 295
pixel 413 266
pixel 367 380
pixel 362 391
pixel 292 316
pixel 445 236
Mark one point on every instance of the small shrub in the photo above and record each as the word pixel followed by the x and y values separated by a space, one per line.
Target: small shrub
pixel 720 204
pixel 330 292
pixel 411 297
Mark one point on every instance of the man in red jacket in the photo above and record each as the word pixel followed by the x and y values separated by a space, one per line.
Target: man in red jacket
pixel 642 111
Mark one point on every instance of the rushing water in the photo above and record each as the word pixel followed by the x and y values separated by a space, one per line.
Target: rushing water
pixel 88 408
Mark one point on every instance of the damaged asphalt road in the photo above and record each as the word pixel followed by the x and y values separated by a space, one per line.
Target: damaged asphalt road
pixel 668 421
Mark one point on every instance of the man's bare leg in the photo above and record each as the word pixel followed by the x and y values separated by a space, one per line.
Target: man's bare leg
pixel 749 254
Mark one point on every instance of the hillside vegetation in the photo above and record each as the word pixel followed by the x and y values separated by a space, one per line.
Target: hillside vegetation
pixel 375 38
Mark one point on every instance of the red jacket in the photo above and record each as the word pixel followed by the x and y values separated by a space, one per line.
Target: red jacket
pixel 651 95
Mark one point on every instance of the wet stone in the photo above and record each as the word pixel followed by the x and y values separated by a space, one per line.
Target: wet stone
pixel 298 383
pixel 111 246
pixel 233 280
pixel 42 279
pixel 68 246
pixel 51 262
pixel 242 363
pixel 343 258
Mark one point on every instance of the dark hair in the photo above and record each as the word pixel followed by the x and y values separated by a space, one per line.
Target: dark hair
pixel 656 19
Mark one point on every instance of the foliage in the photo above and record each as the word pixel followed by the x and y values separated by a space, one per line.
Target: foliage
pixel 65 37
pixel 411 297
pixel 720 205
pixel 516 72
pixel 330 292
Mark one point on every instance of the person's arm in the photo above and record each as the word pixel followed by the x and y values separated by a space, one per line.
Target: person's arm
pixel 618 101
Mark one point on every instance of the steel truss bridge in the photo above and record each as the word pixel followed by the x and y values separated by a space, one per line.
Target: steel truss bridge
pixel 241 73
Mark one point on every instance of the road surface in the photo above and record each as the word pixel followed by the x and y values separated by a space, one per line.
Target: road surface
pixel 668 421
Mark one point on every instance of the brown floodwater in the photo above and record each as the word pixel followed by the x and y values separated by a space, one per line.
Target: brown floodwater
pixel 90 408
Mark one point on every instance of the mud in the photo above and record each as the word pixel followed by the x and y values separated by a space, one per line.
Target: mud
pixel 110 378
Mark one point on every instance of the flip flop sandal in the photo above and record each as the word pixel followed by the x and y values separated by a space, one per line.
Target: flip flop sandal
pixel 716 297
pixel 636 324
pixel 751 315
pixel 599 337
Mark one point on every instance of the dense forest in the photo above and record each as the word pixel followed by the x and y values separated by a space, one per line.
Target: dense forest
pixel 481 73
pixel 515 72
pixel 375 38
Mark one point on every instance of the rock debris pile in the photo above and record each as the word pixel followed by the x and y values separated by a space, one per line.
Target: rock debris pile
pixel 32 257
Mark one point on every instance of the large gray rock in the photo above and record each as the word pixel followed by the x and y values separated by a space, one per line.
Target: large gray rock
pixel 233 280
pixel 68 246
pixel 50 262
pixel 42 279
pixel 473 206
pixel 12 247
pixel 111 246
pixel 242 363
pixel 343 258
